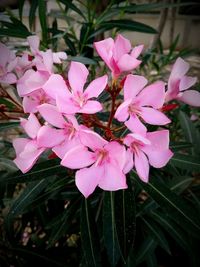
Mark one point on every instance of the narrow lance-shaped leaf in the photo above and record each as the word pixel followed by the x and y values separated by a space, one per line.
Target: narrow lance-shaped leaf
pixel 125 218
pixel 175 206
pixel 89 236
pixel 192 135
pixel 43 19
pixel 109 229
pixel 186 162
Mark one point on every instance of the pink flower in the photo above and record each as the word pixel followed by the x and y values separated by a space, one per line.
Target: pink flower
pixel 77 100
pixel 106 162
pixel 31 81
pixel 179 83
pixel 34 43
pixel 28 150
pixel 118 55
pixel 147 149
pixel 8 62
pixel 141 102
pixel 67 130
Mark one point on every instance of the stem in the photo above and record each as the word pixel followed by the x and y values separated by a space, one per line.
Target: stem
pixel 112 113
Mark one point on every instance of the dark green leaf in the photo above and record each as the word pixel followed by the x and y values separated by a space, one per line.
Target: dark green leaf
pixel 125 24
pixel 125 218
pixel 175 206
pixel 84 60
pixel 157 234
pixel 39 171
pixel 177 146
pixel 192 135
pixel 33 8
pixel 7 125
pixel 148 245
pixel 109 229
pixel 42 10
pixel 71 6
pixel 89 236
pixel 186 162
pixel 14 33
pixel 21 6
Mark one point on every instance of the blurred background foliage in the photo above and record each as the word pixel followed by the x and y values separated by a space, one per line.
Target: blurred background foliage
pixel 44 219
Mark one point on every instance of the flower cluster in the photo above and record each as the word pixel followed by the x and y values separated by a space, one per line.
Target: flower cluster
pixel 63 112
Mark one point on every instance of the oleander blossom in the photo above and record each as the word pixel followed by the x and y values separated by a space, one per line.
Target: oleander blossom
pixel 118 54
pixel 179 83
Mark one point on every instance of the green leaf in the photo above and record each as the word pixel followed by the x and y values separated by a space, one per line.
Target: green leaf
pixel 84 60
pixel 62 223
pixel 109 229
pixel 39 171
pixel 177 146
pixel 71 6
pixel 14 33
pixel 171 227
pixel 157 234
pixel 186 162
pixel 174 205
pixel 7 125
pixel 21 6
pixel 192 135
pixel 89 236
pixel 42 10
pixel 125 218
pixel 33 8
pixel 125 24
pixel 148 245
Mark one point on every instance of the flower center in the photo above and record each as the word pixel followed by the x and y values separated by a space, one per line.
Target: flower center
pixel 101 157
pixel 134 109
pixel 2 72
pixel 80 99
pixel 69 130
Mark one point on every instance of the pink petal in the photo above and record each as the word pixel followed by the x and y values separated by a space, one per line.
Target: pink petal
pixel 49 137
pixel 135 125
pixel 31 81
pixel 51 114
pixel 67 104
pixel 47 61
pixel 61 149
pixel 127 63
pixel 8 78
pixel 96 87
pixel 4 52
pixel 117 153
pixel 191 97
pixel 105 50
pixel 186 82
pixel 56 86
pixel 132 137
pixel 78 157
pixel 91 139
pixel 58 56
pixel 27 158
pixel 113 178
pixel 159 140
pixel 137 51
pixel 31 125
pixel 122 112
pixel 91 107
pixel 122 46
pixel 77 76
pixel 29 105
pixel 87 180
pixel 154 117
pixel 152 95
pixel 179 69
pixel 142 166
pixel 129 162
pixel 19 144
pixel 133 85
pixel 159 159
pixel 34 43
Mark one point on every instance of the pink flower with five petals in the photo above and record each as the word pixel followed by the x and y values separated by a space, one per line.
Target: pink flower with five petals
pixel 118 55
pixel 147 149
pixel 140 102
pixel 77 100
pixel 101 165
pixel 179 84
